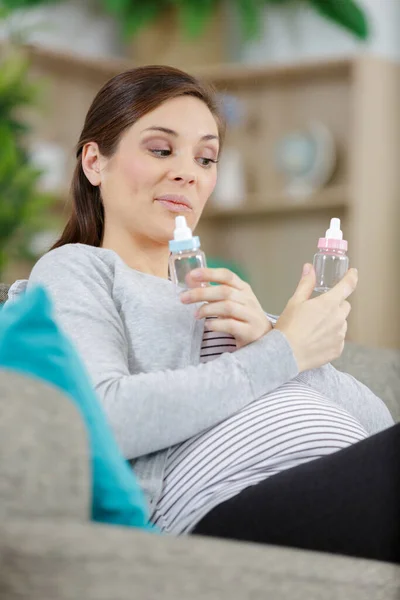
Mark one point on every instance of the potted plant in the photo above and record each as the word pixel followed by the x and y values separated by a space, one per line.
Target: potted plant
pixel 23 208
pixel 190 32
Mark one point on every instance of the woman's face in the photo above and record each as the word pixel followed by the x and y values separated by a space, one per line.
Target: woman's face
pixel 164 166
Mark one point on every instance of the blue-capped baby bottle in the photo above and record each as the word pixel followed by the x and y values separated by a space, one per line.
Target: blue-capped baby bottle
pixel 186 254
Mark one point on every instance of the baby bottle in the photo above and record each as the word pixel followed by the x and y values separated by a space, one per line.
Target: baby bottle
pixel 186 254
pixel 331 261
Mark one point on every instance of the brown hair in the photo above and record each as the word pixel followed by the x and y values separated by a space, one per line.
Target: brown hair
pixel 119 104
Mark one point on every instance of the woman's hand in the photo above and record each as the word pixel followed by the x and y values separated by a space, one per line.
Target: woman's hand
pixel 233 302
pixel 316 328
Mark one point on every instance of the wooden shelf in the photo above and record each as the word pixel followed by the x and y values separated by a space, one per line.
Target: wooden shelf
pixel 335 197
pixel 223 74
pixel 55 60
pixel 250 74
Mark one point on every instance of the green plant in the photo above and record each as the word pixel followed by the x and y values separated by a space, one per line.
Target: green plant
pixel 22 207
pixel 194 14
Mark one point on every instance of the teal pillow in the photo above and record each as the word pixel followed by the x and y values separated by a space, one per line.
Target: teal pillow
pixel 31 342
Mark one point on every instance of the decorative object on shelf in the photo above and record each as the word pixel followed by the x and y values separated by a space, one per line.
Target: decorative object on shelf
pixel 307 159
pixel 195 32
pixel 22 206
pixel 233 109
pixel 170 37
pixel 230 190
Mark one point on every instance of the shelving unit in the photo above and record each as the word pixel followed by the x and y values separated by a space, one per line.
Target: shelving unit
pixel 270 235
pixel 332 198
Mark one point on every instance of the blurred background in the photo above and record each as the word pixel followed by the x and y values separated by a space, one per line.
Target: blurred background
pixel 310 90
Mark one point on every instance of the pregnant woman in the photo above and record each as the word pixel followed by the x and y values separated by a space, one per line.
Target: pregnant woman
pixel 236 426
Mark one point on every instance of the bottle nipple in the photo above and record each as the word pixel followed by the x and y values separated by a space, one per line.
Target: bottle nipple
pixel 334 232
pixel 182 231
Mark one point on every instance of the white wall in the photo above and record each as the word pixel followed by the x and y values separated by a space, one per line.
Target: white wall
pixel 298 33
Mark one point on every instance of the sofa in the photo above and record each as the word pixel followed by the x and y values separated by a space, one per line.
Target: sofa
pixel 51 550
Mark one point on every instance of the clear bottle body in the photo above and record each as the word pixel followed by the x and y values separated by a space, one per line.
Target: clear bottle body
pixel 330 266
pixel 182 262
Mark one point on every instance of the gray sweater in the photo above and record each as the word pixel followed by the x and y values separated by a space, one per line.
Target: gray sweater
pixel 141 346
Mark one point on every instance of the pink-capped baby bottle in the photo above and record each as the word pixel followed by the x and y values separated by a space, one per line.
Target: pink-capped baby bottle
pixel 331 261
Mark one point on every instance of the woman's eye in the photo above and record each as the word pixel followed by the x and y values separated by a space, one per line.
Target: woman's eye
pixel 206 162
pixel 160 152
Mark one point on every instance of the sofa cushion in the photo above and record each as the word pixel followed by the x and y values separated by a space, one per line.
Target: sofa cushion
pixel 31 342
pixel 69 561
pixel 50 479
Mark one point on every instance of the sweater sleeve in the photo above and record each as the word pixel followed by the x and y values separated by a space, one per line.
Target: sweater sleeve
pixel 351 394
pixel 152 411
pixel 346 391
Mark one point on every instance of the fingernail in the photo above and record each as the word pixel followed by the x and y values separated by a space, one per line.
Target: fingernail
pixel 347 291
pixel 185 298
pixel 306 269
pixel 197 275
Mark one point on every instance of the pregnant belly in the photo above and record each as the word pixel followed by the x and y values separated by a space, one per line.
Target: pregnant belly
pixel 283 429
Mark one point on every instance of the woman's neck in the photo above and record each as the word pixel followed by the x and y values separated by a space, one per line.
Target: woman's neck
pixel 145 257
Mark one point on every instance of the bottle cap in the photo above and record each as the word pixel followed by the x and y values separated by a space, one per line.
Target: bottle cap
pixel 333 237
pixel 183 237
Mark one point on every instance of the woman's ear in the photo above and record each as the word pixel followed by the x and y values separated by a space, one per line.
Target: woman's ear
pixel 91 163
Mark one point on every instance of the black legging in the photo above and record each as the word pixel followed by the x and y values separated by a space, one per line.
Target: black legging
pixel 346 503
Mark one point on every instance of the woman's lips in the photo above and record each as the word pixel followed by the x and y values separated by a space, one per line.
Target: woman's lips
pixel 174 206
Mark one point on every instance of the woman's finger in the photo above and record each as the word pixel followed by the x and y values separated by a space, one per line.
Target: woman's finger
pixel 238 329
pixel 220 275
pixel 345 308
pixel 226 308
pixel 212 294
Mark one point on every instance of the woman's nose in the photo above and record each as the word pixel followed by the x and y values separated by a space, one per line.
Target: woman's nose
pixel 185 178
pixel 183 172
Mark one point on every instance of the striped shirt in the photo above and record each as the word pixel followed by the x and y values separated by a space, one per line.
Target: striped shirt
pixel 215 343
pixel 287 427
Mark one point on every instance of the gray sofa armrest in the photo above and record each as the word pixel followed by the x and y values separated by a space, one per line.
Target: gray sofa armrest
pixel 44 467
pixel 60 561
pixel 377 368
